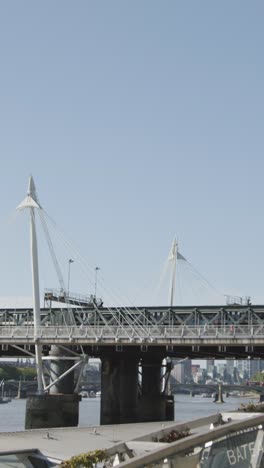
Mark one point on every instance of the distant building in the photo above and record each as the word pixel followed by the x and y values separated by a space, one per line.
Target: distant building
pixel 182 371
pixel 195 368
pixel 199 377
pixel 210 362
pixel 230 365
pixel 210 366
pixel 249 367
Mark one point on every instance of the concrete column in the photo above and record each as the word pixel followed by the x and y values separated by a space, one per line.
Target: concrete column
pixel 152 404
pixel 219 396
pixel 151 375
pixel 119 388
pixel 57 368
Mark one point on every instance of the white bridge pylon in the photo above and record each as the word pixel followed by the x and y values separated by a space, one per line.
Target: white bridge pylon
pixel 31 203
pixel 178 272
pixel 173 258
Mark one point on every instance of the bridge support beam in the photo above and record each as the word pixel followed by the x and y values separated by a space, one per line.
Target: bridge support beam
pixel 153 405
pixel 119 388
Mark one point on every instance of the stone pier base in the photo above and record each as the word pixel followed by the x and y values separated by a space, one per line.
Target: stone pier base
pixel 57 410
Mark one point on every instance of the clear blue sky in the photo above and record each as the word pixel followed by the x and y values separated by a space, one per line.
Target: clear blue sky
pixel 139 121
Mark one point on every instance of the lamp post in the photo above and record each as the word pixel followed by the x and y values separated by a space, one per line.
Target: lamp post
pixel 70 261
pixel 95 281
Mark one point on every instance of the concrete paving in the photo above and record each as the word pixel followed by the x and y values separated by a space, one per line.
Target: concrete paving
pixel 63 443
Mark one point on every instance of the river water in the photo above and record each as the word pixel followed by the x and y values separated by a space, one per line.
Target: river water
pixel 12 415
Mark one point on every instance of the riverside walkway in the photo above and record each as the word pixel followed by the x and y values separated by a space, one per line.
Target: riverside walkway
pixel 235 439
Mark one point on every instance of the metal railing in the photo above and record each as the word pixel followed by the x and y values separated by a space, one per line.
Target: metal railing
pixel 129 334
pixel 60 295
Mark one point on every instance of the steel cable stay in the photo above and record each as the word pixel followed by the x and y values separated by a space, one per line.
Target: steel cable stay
pixel 70 248
pixel 102 318
pixel 107 324
pixel 117 319
pixel 83 263
pixel 51 249
pixel 56 265
pixel 202 279
pixel 136 316
pixel 179 285
pixel 198 280
pixel 53 255
pixel 98 311
pixel 190 283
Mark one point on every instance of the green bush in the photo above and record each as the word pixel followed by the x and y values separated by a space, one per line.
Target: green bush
pixel 86 460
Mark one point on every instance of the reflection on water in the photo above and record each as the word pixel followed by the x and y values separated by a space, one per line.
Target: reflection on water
pixel 12 415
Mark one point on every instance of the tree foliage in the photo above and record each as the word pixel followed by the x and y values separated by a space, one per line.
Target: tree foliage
pixel 258 377
pixel 17 373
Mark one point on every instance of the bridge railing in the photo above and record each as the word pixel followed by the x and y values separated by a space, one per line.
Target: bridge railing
pixel 131 333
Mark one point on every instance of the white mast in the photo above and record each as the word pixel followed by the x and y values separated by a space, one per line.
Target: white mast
pixel 173 259
pixel 31 202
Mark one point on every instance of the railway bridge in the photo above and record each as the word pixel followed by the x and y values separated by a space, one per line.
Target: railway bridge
pixel 132 344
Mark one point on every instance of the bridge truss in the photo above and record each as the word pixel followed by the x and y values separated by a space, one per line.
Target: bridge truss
pixel 208 331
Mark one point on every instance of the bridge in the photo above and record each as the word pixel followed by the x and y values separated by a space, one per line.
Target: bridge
pixel 132 343
pixel 195 332
pixel 219 389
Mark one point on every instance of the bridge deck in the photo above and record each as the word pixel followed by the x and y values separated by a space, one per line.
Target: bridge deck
pixel 218 331
pixel 152 336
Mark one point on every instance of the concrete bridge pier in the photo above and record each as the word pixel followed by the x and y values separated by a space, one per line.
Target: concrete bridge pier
pixel 153 405
pixel 59 408
pixel 219 395
pixel 119 388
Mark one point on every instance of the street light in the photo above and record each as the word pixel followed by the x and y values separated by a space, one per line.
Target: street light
pixel 69 272
pixel 95 281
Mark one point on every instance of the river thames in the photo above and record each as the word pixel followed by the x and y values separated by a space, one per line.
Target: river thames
pixel 12 415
